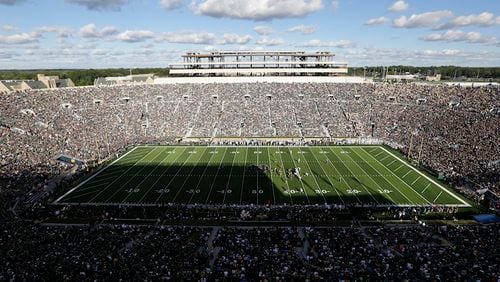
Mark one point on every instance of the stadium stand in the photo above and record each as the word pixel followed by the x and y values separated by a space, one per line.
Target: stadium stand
pixel 457 127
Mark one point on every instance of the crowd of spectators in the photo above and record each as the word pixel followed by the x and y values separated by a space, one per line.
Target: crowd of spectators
pixel 156 252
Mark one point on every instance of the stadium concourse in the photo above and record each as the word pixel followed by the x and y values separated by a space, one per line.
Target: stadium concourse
pixel 451 131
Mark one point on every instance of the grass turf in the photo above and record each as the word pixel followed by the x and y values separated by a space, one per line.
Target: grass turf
pixel 359 175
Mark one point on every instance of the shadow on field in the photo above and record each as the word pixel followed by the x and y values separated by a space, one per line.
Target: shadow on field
pixel 200 184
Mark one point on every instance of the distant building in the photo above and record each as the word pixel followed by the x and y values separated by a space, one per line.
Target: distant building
pixel 125 80
pixel 436 77
pixel 55 81
pixel 43 82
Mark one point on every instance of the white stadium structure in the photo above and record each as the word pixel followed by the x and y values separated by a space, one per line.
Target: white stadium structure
pixel 258 63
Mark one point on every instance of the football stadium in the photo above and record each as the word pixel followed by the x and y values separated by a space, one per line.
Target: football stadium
pixel 262 156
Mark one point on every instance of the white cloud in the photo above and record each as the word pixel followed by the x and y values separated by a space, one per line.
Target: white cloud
pixel 231 38
pixel 304 29
pixel 171 4
pixel 322 43
pixel 460 36
pixel 10 2
pixel 91 31
pixel 399 6
pixel 256 10
pixel 133 36
pixel 100 5
pixel 483 19
pixel 266 41
pixel 206 38
pixel 376 21
pixel 335 4
pixel 263 30
pixel 9 28
pixel 62 32
pixel 189 37
pixel 428 19
pixel 21 38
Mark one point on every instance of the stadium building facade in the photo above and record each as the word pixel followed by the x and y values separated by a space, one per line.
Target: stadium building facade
pixel 259 63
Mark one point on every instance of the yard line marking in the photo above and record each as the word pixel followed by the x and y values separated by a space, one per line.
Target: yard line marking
pixel 286 180
pixel 340 175
pixel 426 188
pixel 163 172
pixel 406 174
pixel 243 178
pixel 201 176
pixel 348 168
pixel 464 204
pixel 314 177
pixel 92 177
pixel 378 153
pixel 373 180
pixel 425 199
pixel 175 175
pixel 215 178
pixel 271 174
pixel 301 182
pixel 384 158
pixel 119 177
pixel 257 176
pixel 228 179
pixel 189 176
pixel 438 196
pixel 391 162
pixel 400 166
pixel 133 177
pixel 415 180
pixel 329 179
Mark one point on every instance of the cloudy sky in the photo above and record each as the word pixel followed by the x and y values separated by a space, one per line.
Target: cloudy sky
pixel 154 33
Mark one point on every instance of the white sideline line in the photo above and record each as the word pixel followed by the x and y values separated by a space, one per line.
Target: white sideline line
pixel 239 206
pixel 91 177
pixel 464 204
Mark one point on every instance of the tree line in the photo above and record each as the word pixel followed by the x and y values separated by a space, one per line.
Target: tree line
pixel 447 72
pixel 82 77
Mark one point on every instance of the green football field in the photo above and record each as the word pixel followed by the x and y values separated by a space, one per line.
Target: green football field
pixel 215 175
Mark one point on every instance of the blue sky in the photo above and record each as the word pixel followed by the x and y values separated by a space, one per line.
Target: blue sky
pixel 154 33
